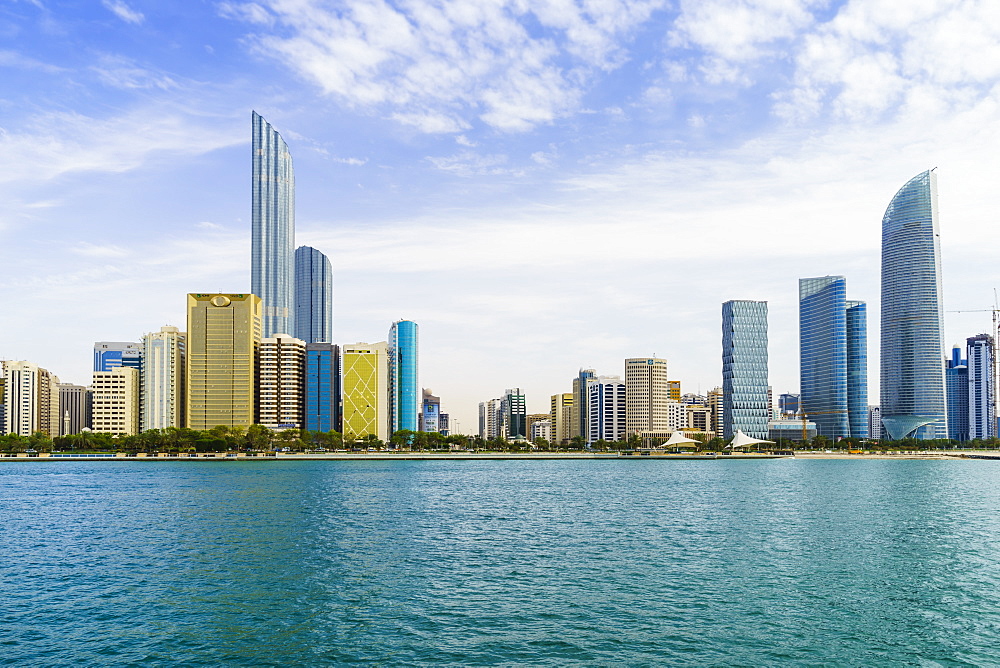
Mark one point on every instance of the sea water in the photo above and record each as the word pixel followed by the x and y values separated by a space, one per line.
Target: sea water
pixel 467 563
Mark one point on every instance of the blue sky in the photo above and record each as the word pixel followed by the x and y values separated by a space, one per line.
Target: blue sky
pixel 541 186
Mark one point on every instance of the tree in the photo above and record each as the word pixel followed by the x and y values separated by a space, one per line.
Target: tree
pixel 258 437
pixel 402 438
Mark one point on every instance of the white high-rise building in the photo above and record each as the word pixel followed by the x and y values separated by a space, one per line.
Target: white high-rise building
pixel 115 403
pixel 21 390
pixel 606 409
pixel 982 388
pixel 164 357
pixel 280 382
pixel 646 394
pixel 676 414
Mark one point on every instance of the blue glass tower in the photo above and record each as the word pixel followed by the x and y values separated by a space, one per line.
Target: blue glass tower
pixel 745 399
pixel 322 387
pixel 272 275
pixel 313 296
pixel 912 368
pixel 857 368
pixel 404 384
pixel 956 375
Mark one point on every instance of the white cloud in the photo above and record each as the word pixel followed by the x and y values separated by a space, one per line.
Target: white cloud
pixel 94 250
pixel 58 143
pixel 20 61
pixel 437 65
pixel 123 11
pixel 120 72
pixel 468 163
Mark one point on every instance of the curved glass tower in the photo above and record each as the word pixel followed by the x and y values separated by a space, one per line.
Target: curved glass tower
pixel 746 405
pixel 823 353
pixel 272 274
pixel 404 384
pixel 313 296
pixel 912 371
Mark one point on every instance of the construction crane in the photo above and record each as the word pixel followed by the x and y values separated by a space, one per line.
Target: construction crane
pixel 805 419
pixel 996 336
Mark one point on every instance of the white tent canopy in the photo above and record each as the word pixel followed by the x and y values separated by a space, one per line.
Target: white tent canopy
pixel 678 438
pixel 741 440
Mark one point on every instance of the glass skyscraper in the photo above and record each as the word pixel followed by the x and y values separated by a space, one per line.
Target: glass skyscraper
pixel 272 273
pixel 912 364
pixel 313 296
pixel 322 387
pixel 833 358
pixel 982 413
pixel 956 375
pixel 745 399
pixel 110 355
pixel 404 384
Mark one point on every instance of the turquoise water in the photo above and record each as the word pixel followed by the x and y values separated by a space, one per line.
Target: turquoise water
pixel 486 563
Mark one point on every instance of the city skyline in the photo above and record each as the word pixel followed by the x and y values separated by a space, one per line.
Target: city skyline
pixel 708 163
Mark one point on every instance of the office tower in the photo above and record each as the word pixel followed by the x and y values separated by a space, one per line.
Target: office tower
pixel 404 384
pixel 272 272
pixel 111 354
pixel 444 424
pixel 833 358
pixel 21 390
pixel 322 387
pixel 714 403
pixel 490 418
pixel 646 394
pixel 74 407
pixel 857 368
pixel 581 400
pixel 513 415
pixel 281 382
pixel 607 410
pixel 365 390
pixel 162 380
pixel 430 413
pixel 874 423
pixel 49 418
pixel 745 402
pixel 912 372
pixel 788 403
pixel 699 418
pixel 313 296
pixel 561 414
pixel 982 388
pixel 956 376
pixel 115 401
pixel 223 335
pixel 674 390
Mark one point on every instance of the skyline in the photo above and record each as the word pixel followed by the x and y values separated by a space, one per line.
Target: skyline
pixel 694 132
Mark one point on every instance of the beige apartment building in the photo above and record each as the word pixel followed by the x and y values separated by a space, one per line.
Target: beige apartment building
pixel 115 401
pixel 281 382
pixel 646 395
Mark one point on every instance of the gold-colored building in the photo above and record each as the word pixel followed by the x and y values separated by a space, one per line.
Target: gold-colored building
pixel 365 390
pixel 223 337
pixel 561 414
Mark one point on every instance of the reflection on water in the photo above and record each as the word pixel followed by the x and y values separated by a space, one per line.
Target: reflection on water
pixel 473 563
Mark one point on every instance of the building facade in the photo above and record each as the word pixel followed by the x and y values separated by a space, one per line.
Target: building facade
pixel 875 423
pixel 646 394
pixel 223 337
pixel 111 354
pixel 365 390
pixel 162 379
pixel 912 344
pixel 21 380
pixel 561 415
pixel 514 415
pixel 430 413
pixel 404 381
pixel 272 271
pixel 982 387
pixel 281 362
pixel 581 401
pixel 956 376
pixel 857 368
pixel 608 409
pixel 322 387
pixel 115 401
pixel 745 402
pixel 313 296
pixel 74 407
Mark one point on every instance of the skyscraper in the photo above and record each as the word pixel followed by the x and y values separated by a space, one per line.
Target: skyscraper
pixel 581 402
pixel 404 384
pixel 162 379
pixel 74 408
pixel 982 389
pixel 646 394
pixel 322 387
pixel 22 400
pixel 430 412
pixel 745 402
pixel 956 375
pixel 364 382
pixel 513 415
pixel 912 368
pixel 833 358
pixel 313 296
pixel 223 335
pixel 115 401
pixel 280 382
pixel 561 414
pixel 272 271
pixel 607 410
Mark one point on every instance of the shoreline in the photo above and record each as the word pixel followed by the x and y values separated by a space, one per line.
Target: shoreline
pixel 495 456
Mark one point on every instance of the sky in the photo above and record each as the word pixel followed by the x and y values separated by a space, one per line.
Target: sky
pixel 542 186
